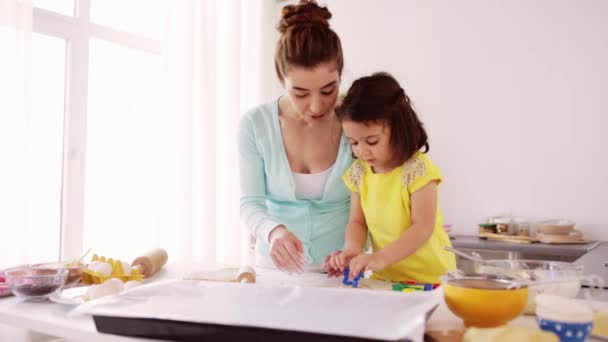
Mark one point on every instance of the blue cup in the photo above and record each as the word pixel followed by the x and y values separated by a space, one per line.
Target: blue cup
pixel 567 331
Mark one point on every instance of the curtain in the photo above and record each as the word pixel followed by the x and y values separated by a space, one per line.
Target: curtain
pixel 161 164
pixel 182 194
pixel 15 105
pixel 207 52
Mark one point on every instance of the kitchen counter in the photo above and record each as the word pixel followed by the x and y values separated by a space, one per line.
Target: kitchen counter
pixel 50 320
pixel 596 262
pixel 476 243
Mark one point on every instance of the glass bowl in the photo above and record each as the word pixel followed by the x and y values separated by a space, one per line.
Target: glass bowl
pixel 4 289
pixel 35 283
pixel 552 277
pixel 75 271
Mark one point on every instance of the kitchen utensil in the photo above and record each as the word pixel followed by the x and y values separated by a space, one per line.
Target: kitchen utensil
pixel 465 255
pixel 556 227
pixel 569 319
pixel 558 278
pixel 151 262
pixel 522 273
pixel 75 271
pixel 245 274
pixel 484 301
pixel 507 238
pixel 572 237
pixel 35 283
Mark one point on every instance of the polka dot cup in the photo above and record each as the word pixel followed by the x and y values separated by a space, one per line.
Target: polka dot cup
pixel 567 332
pixel 570 319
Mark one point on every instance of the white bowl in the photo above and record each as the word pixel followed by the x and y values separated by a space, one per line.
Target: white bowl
pixel 556 227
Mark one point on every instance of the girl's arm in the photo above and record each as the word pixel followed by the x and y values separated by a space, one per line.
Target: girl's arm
pixel 356 230
pixel 424 213
pixel 356 236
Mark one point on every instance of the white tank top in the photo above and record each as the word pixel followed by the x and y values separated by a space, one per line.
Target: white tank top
pixel 310 185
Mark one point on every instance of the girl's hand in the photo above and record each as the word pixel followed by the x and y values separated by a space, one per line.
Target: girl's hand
pixel 335 262
pixel 365 262
pixel 286 250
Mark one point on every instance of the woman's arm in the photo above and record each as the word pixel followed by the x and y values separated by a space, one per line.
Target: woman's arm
pixel 286 249
pixel 253 183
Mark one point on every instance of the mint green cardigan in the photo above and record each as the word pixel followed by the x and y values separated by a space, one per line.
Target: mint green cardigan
pixel 268 195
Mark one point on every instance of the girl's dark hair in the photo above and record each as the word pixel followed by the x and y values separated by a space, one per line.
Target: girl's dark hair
pixel 306 39
pixel 380 99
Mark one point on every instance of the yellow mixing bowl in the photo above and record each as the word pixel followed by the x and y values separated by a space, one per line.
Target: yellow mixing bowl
pixel 484 302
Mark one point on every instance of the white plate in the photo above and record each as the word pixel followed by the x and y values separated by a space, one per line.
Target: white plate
pixel 72 296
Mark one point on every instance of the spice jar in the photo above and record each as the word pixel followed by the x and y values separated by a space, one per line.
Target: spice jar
pixel 502 228
pixel 487 228
pixel 522 228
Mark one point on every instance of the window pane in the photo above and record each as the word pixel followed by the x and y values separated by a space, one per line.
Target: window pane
pixel 31 145
pixel 65 7
pixel 128 151
pixel 145 17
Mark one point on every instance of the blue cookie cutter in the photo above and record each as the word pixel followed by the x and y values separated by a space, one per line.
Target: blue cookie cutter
pixel 354 282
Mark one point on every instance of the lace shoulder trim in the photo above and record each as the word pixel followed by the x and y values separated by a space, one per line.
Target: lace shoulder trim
pixel 412 169
pixel 355 174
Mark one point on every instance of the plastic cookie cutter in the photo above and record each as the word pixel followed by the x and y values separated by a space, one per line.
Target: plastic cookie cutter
pixel 410 286
pixel 354 282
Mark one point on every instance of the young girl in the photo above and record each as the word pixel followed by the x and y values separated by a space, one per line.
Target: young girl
pixel 394 189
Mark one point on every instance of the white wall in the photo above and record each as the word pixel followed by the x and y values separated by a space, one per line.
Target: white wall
pixel 513 95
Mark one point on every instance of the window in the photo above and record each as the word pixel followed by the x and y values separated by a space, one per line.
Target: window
pixel 45 143
pixel 120 14
pixel 126 140
pixel 65 7
pixel 123 135
pixel 112 48
pixel 32 148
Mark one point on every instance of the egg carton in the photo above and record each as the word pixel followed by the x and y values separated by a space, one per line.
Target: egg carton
pixel 92 277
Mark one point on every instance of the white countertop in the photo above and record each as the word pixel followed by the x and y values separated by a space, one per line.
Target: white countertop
pixel 49 318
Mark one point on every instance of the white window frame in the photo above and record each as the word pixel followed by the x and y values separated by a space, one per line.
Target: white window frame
pixel 77 31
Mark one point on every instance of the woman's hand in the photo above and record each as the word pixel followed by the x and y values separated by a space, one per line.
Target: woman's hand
pixel 335 262
pixel 286 250
pixel 364 262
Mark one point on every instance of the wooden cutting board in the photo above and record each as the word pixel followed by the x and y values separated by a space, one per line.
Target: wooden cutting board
pixel 444 336
pixel 540 238
pixel 507 238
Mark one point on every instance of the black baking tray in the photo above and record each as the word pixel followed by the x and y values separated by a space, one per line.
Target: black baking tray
pixel 169 330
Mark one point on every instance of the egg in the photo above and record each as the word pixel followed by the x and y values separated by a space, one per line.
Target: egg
pixel 103 268
pixel 91 266
pixel 126 267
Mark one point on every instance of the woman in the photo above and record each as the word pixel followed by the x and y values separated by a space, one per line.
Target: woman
pixel 292 152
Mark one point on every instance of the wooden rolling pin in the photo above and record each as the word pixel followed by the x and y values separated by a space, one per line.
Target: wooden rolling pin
pixel 246 274
pixel 151 262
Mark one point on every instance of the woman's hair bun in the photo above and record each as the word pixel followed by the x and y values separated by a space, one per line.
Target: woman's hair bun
pixel 307 12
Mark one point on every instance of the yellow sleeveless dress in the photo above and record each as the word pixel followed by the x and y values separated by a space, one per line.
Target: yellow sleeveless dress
pixel 385 200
